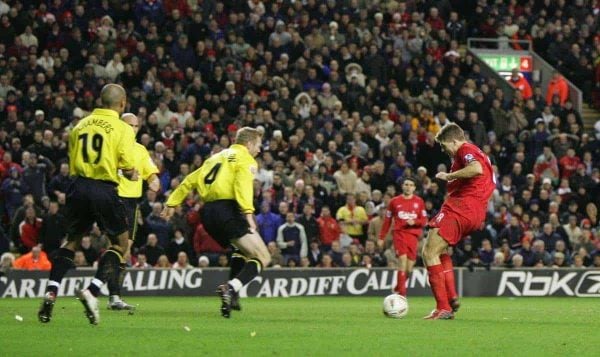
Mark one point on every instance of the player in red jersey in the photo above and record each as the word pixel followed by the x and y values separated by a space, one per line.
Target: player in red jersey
pixel 408 213
pixel 471 182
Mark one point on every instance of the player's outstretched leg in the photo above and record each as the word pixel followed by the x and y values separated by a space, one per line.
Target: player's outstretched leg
pixel 60 266
pixel 114 290
pixel 434 246
pixel 450 282
pixel 114 283
pixel 107 268
pixel 252 246
pixel 238 260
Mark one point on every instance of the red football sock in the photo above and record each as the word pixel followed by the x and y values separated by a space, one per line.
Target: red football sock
pixel 401 283
pixel 438 286
pixel 449 276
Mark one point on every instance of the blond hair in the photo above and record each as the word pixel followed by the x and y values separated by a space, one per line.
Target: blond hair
pixel 247 135
pixel 450 132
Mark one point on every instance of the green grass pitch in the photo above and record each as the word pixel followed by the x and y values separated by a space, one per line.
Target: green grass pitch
pixel 327 326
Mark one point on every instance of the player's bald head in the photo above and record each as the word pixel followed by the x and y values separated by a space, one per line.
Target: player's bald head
pixel 132 120
pixel 113 96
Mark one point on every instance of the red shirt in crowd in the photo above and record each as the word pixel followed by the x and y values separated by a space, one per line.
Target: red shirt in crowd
pixel 329 230
pixel 204 243
pixel 29 232
pixel 522 85
pixel 568 165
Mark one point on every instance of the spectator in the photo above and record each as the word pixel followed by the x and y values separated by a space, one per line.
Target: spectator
pixel 59 184
pixel 329 228
pixel 203 262
pixel 29 230
pixel 79 260
pixel 517 261
pixel 141 262
pixel 36 259
pixel 205 245
pixel 275 252
pixel 159 226
pixel 546 166
pixel 268 223
pixel 53 229
pixel 90 253
pixel 182 261
pixel 310 224
pixel 540 257
pixel 7 261
pixel 179 244
pixel 152 250
pixel 162 262
pixel 353 218
pixel 13 190
pixel 291 239
pixel 520 83
pixel 223 261
pixel 557 87
pixel 549 237
pixel 346 179
pixel 512 232
pixel 486 252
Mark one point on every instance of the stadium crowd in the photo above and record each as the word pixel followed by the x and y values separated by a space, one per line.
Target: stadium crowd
pixel 349 95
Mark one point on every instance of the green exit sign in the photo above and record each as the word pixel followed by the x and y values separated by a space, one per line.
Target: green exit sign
pixel 506 63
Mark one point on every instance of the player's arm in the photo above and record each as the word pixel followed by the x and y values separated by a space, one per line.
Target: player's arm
pixel 153 183
pixel 472 169
pixel 126 152
pixel 150 172
pixel 422 216
pixel 180 193
pixel 387 222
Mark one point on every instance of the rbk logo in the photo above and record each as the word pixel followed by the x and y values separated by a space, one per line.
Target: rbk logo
pixel 589 285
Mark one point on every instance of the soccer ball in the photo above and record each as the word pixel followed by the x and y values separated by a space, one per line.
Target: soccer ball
pixel 395 306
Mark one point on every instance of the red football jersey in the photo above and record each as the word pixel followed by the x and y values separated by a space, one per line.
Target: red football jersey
pixel 402 209
pixel 464 195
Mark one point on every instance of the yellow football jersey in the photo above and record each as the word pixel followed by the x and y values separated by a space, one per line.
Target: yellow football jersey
pixel 145 166
pixel 227 175
pixel 99 145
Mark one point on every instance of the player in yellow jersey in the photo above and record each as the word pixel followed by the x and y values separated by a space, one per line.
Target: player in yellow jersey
pixel 99 145
pixel 225 183
pixel 130 193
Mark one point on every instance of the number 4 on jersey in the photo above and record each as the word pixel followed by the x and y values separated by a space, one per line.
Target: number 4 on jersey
pixel 212 174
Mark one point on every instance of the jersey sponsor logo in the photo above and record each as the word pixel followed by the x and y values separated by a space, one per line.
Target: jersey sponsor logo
pixel 231 158
pixel 407 215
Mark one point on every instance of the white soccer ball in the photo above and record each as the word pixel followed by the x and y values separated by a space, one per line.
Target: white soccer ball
pixel 395 306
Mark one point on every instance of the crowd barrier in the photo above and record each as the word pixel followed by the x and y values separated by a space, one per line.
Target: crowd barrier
pixel 318 282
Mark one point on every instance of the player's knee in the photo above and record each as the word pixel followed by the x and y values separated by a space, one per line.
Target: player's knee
pixel 265 260
pixel 430 252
